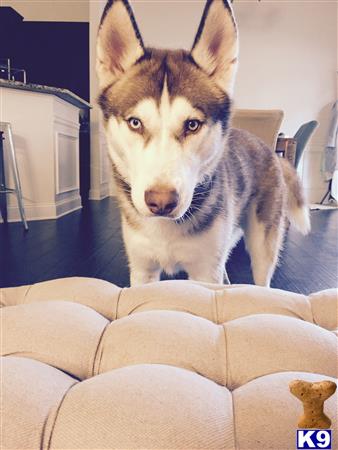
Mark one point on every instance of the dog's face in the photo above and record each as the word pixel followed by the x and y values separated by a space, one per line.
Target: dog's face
pixel 166 112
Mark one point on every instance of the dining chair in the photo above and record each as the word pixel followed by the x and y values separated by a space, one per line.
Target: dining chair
pixel 302 138
pixel 264 123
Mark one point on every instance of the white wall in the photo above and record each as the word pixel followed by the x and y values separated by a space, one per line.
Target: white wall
pixel 288 59
pixel 99 164
pixel 51 10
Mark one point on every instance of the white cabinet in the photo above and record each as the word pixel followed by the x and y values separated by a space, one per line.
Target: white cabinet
pixel 46 138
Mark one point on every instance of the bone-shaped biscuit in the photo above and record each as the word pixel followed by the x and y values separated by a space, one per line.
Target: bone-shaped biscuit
pixel 313 396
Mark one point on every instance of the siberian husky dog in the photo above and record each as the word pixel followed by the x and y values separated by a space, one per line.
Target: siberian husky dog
pixel 188 185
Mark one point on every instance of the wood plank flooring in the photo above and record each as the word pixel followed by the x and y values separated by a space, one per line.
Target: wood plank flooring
pixel 88 243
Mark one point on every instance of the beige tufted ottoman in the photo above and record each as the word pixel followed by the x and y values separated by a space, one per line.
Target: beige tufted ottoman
pixel 175 364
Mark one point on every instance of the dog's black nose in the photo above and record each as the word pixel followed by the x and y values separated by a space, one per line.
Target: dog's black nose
pixel 161 200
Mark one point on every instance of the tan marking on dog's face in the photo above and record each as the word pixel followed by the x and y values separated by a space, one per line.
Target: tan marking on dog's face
pixel 175 113
pixel 184 79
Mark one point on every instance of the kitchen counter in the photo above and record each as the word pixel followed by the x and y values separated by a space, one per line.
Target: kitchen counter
pixel 64 94
pixel 45 125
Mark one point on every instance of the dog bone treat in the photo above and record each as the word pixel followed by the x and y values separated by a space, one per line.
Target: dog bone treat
pixel 313 396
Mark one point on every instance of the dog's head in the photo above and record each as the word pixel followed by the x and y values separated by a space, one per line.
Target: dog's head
pixel 166 112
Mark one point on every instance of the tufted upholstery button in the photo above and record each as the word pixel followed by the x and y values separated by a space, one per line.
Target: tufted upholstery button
pixel 324 308
pixel 176 364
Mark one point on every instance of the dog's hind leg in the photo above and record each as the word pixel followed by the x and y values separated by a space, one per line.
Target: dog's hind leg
pixel 263 241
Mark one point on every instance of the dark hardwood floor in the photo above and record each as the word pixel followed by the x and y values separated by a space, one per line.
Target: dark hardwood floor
pixel 88 243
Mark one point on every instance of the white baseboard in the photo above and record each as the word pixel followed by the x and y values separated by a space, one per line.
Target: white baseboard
pixel 99 194
pixel 45 211
pixel 68 205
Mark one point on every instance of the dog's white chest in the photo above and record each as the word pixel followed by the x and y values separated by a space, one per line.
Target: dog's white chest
pixel 166 246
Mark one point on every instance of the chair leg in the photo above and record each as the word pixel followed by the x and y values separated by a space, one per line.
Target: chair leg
pixel 16 176
pixel 3 198
pixel 327 194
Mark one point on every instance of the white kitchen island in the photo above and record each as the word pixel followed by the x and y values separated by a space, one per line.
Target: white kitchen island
pixel 45 126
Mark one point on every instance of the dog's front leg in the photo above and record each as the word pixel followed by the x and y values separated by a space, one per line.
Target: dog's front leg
pixel 139 276
pixel 207 271
pixel 208 255
pixel 142 267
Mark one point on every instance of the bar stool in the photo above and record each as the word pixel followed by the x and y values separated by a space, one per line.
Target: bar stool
pixel 6 134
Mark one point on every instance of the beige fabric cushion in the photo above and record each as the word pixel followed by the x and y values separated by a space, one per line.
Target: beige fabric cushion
pixel 31 393
pixel 176 364
pixel 64 335
pixel 146 406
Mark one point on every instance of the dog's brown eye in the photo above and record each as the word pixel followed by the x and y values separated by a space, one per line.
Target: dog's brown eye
pixel 135 123
pixel 193 125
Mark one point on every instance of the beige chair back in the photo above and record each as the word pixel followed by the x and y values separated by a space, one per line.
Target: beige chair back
pixel 264 123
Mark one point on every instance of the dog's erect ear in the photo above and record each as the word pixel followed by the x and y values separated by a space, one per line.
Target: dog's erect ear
pixel 119 43
pixel 215 47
